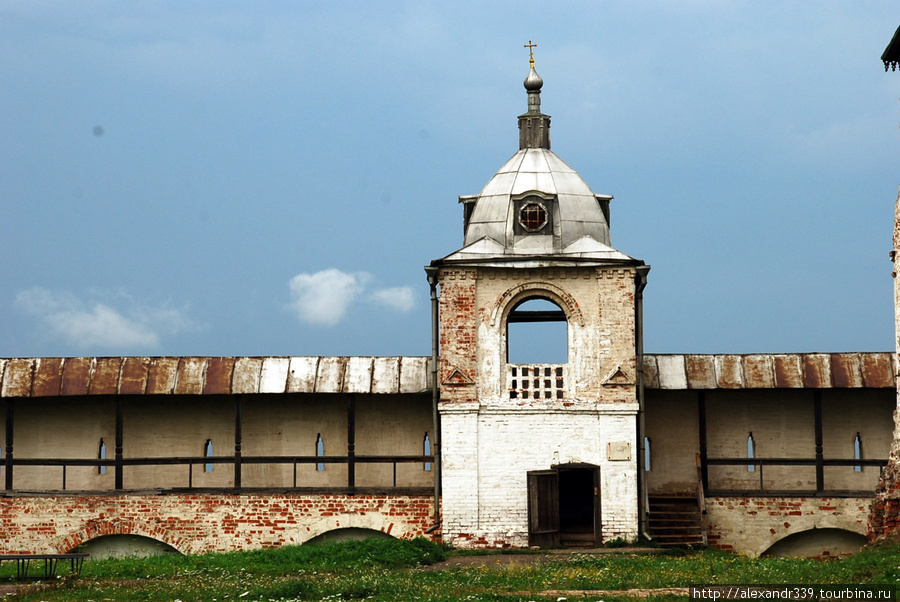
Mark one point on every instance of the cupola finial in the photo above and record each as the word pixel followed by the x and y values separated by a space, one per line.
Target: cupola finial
pixel 534 126
pixel 530 48
pixel 533 82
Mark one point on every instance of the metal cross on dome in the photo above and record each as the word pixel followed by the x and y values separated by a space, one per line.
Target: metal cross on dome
pixel 530 48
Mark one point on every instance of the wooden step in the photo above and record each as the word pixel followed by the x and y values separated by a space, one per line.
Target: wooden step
pixel 675 521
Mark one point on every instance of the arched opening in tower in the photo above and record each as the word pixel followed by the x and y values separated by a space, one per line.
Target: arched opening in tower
pixel 537 333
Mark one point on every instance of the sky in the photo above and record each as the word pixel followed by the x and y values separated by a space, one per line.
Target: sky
pixel 269 178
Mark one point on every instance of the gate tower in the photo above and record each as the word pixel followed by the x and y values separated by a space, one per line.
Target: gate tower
pixel 538 449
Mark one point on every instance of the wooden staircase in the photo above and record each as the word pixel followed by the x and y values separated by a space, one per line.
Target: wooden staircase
pixel 676 521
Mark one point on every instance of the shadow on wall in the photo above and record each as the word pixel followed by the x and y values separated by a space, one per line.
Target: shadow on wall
pixel 118 546
pixel 348 534
pixel 818 543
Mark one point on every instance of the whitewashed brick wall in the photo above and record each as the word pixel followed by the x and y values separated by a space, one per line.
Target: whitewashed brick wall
pixel 490 449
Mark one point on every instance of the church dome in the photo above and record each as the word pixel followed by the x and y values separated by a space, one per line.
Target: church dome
pixel 536 210
pixel 536 207
pixel 537 204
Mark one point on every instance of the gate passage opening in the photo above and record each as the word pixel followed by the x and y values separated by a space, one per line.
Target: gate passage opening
pixel 576 506
pixel 564 506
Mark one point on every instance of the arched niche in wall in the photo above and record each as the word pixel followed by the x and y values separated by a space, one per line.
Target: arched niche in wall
pixel 347 534
pixel 124 545
pixel 817 543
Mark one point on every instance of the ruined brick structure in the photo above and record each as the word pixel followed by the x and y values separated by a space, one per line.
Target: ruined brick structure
pixel 884 516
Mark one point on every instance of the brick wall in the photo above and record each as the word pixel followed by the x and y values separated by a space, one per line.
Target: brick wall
pixel 884 512
pixel 490 440
pixel 488 453
pixel 203 523
pixel 750 525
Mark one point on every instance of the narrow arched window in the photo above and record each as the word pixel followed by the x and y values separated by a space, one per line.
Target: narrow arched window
pixel 646 454
pixel 208 452
pixel 320 451
pixel 101 454
pixel 857 452
pixel 751 452
pixel 427 450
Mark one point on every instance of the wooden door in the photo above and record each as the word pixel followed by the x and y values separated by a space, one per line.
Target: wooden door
pixel 598 510
pixel 543 508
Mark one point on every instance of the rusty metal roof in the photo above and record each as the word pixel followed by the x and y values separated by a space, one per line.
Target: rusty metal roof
pixel 44 377
pixel 47 376
pixel 770 371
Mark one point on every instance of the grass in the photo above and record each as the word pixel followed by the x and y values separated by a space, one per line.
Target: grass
pixel 398 570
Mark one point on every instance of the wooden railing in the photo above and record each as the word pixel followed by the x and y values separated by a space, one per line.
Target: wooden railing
pixel 760 463
pixel 119 467
pixel 701 501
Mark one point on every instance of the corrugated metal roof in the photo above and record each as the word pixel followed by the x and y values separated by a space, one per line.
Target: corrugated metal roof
pixel 770 371
pixel 45 377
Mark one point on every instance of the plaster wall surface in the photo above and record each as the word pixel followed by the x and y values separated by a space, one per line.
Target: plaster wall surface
pixel 204 522
pixel 846 413
pixel 671 424
pixel 782 425
pixel 179 426
pixel 782 422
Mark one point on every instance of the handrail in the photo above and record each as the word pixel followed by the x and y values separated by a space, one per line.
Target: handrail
pixel 793 462
pixel 190 461
pixel 820 463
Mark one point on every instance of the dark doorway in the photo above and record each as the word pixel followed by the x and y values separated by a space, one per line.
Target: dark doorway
pixel 576 506
pixel 564 506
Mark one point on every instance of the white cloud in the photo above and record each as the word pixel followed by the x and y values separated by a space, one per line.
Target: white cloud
pixel 97 324
pixel 325 297
pixel 399 298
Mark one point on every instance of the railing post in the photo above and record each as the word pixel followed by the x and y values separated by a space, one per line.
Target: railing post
pixel 351 440
pixel 701 428
pixel 820 456
pixel 10 407
pixel 238 420
pixel 120 445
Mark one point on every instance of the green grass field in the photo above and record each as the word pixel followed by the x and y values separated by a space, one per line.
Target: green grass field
pixel 399 570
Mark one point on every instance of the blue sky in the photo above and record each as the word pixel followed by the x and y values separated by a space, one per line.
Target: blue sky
pixel 269 178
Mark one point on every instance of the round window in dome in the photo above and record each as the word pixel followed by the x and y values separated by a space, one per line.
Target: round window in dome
pixel 533 217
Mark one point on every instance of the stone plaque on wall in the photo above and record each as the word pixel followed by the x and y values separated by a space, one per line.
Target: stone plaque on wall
pixel 618 451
